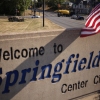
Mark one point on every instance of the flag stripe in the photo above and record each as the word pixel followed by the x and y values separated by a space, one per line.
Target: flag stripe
pixel 92 18
pixel 95 22
pixel 91 29
pixel 87 33
pixel 97 7
pixel 92 25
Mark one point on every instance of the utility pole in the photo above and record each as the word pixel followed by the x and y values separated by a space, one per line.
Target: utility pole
pixel 43 13
pixel 34 9
pixel 24 7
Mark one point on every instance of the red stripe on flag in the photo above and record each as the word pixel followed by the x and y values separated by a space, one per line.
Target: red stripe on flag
pixel 85 35
pixel 97 7
pixel 95 21
pixel 89 20
pixel 91 29
pixel 92 25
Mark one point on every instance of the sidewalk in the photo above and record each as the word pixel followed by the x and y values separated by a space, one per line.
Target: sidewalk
pixel 93 96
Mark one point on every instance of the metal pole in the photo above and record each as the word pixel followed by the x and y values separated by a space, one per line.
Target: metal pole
pixel 34 9
pixel 43 13
pixel 16 12
pixel 24 7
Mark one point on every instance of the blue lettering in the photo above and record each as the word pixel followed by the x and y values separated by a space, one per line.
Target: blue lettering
pixel 91 55
pixel 83 61
pixel 96 61
pixel 46 70
pixel 68 63
pixel 24 75
pixel 43 71
pixel 75 63
pixel 8 83
pixel 35 71
pixel 57 68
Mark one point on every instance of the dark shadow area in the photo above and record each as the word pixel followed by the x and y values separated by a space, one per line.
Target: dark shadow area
pixel 65 38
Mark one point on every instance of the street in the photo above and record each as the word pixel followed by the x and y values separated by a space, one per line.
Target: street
pixel 65 22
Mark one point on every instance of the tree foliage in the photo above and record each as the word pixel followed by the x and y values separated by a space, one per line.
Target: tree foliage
pixel 12 7
pixel 75 1
pixel 54 3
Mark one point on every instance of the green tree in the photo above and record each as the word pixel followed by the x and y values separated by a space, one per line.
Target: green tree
pixel 54 3
pixel 12 7
pixel 1 7
pixel 75 1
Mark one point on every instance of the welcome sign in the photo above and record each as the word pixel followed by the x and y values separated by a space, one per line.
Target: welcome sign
pixel 49 65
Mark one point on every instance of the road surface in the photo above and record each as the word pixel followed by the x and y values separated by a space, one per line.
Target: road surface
pixel 65 22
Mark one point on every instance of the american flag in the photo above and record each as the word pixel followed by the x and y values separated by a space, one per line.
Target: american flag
pixel 92 25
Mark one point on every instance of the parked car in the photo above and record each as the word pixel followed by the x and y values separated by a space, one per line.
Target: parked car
pixel 73 16
pixel 77 17
pixel 35 16
pixel 15 19
pixel 80 18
